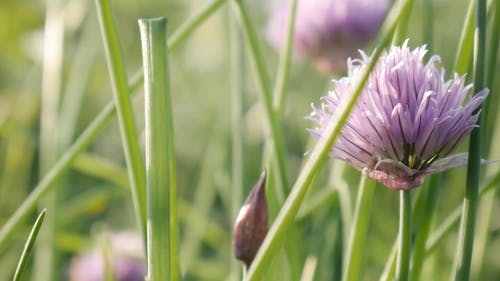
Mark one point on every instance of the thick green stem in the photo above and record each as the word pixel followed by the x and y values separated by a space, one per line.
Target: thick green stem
pixel 403 259
pixel 359 230
pixel 129 136
pixel 429 202
pixel 467 226
pixel 159 146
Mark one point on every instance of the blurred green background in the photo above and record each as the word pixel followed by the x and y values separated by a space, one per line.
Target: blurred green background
pixel 94 196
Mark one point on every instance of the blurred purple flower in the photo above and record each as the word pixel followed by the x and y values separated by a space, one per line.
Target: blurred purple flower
pixel 328 31
pixel 406 120
pixel 126 259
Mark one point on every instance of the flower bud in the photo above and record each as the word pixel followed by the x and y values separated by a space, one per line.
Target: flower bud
pixel 250 227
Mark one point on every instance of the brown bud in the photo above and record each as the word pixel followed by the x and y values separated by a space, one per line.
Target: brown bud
pixel 250 227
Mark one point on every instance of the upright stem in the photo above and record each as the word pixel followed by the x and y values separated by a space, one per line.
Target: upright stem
pixel 121 94
pixel 285 62
pixel 265 90
pixel 426 216
pixel 467 225
pixel 46 254
pixel 359 229
pixel 403 259
pixel 158 146
pixel 237 68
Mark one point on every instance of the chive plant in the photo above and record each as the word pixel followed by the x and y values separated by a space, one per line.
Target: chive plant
pixel 394 115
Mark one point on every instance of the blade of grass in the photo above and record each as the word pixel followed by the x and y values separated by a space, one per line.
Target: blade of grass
pixel 402 30
pixel 46 257
pixel 359 230
pixel 89 134
pixel 465 45
pixel 390 266
pixel 287 213
pixel 265 91
pixel 426 215
pixel 491 108
pixel 466 237
pixel 128 130
pixel 453 218
pixel 488 203
pixel 77 82
pixel 237 69
pixel 159 149
pixel 21 265
pixel 285 62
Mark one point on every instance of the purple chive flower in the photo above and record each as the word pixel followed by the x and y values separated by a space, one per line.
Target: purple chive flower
pixel 126 260
pixel 328 31
pixel 406 120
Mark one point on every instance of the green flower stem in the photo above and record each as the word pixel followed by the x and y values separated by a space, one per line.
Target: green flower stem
pixel 417 213
pixel 265 90
pixel 237 67
pixel 285 62
pixel 28 246
pixel 128 130
pixel 89 134
pixel 487 204
pixel 287 213
pixel 159 147
pixel 359 230
pixel 426 214
pixel 491 108
pixel 453 219
pixel 402 30
pixel 46 257
pixel 464 51
pixel 404 237
pixel 467 226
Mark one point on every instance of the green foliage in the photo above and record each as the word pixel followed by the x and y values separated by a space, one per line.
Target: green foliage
pixel 229 125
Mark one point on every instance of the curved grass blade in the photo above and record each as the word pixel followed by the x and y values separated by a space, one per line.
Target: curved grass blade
pixel 28 246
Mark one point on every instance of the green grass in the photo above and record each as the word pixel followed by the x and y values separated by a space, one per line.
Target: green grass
pixel 219 106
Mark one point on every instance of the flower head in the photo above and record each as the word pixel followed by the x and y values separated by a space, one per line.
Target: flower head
pixel 126 260
pixel 328 31
pixel 406 120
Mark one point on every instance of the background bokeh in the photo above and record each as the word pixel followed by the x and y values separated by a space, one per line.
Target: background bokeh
pixel 94 196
